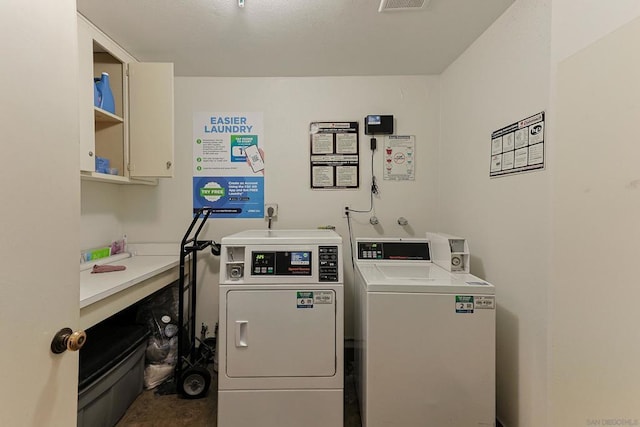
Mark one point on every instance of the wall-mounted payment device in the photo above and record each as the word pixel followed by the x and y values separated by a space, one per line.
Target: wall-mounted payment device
pixel 450 252
pixel 378 125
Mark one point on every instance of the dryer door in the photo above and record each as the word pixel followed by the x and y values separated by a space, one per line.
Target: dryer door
pixel 281 333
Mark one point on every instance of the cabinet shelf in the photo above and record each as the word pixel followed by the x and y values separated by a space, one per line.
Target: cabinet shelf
pixel 116 179
pixel 105 116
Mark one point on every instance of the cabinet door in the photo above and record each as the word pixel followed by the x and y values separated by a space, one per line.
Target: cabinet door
pixel 150 120
pixel 85 92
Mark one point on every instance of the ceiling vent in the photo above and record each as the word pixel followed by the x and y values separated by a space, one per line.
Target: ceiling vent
pixel 391 5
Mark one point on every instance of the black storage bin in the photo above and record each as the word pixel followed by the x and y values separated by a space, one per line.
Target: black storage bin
pixel 111 373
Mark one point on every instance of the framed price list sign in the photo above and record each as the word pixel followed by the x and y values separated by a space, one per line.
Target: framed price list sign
pixel 334 155
pixel 518 147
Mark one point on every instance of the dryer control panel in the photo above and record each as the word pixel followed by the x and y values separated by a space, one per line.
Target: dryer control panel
pixel 296 263
pixel 282 256
pixel 281 263
pixel 328 270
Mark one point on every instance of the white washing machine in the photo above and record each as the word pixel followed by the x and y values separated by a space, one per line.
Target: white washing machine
pixel 280 343
pixel 425 339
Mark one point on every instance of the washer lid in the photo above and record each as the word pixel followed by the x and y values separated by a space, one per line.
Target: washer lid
pixel 419 278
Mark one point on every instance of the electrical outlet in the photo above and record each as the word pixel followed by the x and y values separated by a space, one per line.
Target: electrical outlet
pixel 266 210
pixel 345 211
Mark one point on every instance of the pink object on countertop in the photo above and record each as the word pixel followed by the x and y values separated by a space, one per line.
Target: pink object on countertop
pixel 107 268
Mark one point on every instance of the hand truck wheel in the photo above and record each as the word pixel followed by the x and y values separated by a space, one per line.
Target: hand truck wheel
pixel 194 382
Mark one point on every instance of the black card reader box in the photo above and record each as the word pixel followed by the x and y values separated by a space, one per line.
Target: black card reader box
pixel 378 125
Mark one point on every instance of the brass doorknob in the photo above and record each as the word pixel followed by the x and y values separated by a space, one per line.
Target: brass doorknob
pixel 66 339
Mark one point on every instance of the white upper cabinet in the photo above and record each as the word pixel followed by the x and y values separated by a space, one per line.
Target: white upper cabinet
pixel 150 132
pixel 137 138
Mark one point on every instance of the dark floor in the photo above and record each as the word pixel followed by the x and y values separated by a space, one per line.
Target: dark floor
pixel 153 410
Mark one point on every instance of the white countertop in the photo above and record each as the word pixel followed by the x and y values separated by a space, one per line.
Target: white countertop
pixel 98 286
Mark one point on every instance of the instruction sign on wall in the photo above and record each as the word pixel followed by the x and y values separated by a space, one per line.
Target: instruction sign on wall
pixel 334 155
pixel 518 147
pixel 228 164
pixel 399 157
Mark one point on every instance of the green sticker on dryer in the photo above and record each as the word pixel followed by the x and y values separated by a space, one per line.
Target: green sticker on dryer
pixel 304 299
pixel 464 304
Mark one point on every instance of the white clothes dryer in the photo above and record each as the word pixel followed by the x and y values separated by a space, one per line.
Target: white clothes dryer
pixel 425 339
pixel 280 343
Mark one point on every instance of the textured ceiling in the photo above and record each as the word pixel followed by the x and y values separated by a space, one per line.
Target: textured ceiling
pixel 270 38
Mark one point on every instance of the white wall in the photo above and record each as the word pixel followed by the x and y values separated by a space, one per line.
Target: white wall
pixel 162 214
pixel 595 343
pixel 503 77
pixel 578 23
pixel 537 235
pixel 100 220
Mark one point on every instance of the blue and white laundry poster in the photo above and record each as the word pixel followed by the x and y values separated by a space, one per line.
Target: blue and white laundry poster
pixel 228 164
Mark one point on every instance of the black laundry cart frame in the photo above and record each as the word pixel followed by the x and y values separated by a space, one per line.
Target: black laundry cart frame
pixel 192 376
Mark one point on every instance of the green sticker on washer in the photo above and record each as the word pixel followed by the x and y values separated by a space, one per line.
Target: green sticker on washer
pixel 464 304
pixel 304 299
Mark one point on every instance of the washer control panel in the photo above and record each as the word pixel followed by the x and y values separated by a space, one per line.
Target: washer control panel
pixel 394 250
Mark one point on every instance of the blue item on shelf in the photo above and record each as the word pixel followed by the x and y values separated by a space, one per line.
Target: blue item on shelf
pixel 97 96
pixel 107 102
pixel 102 165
